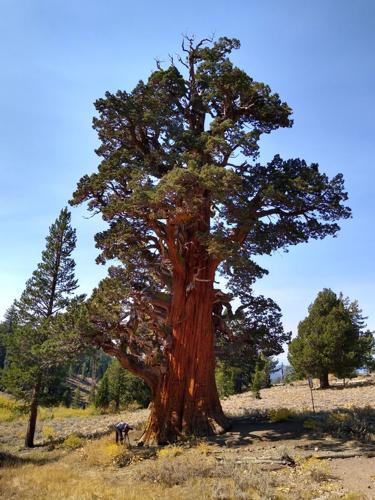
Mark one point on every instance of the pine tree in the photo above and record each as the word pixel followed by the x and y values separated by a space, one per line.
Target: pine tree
pixel 251 338
pixel 120 387
pixel 227 376
pixel 7 327
pixel 185 199
pixel 331 339
pixel 35 358
pixel 257 381
pixel 102 396
pixel 49 289
pixel 117 383
pixel 261 378
pixel 76 401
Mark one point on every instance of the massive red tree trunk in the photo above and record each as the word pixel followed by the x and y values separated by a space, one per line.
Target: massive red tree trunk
pixel 186 400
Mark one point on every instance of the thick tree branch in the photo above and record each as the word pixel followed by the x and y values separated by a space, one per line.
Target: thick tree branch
pixel 130 362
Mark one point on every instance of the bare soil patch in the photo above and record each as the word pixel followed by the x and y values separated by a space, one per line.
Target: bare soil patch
pixel 358 392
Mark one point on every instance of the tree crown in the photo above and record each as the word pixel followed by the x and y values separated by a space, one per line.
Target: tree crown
pixel 332 338
pixel 49 289
pixel 180 188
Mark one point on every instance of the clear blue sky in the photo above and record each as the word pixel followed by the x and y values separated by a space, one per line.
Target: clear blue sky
pixel 57 57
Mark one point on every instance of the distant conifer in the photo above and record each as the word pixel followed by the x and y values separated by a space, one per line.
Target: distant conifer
pixel 34 355
pixel 331 339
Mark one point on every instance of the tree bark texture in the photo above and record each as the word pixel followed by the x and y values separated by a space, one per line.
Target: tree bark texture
pixel 186 401
pixel 30 433
pixel 324 382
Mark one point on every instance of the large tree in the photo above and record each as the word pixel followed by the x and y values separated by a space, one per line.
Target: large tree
pixel 331 339
pixel 37 349
pixel 184 198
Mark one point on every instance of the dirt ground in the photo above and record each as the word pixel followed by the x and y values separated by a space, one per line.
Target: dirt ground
pixel 356 473
pixel 263 439
pixel 253 438
pixel 297 396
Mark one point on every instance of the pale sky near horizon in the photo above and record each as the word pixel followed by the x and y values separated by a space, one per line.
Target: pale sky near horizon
pixel 58 56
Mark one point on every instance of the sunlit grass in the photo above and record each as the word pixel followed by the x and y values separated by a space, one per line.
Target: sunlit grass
pixel 11 409
pixel 170 451
pixel 62 481
pixel 100 452
pixel 319 470
pixel 6 415
pixel 92 469
pixel 72 442
pixel 63 412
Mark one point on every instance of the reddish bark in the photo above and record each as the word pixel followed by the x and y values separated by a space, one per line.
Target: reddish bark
pixel 185 397
pixel 186 400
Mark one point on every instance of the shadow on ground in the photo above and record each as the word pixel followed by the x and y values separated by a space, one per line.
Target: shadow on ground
pixel 8 459
pixel 333 431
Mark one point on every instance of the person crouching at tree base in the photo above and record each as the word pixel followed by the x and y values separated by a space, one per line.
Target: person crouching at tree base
pixel 122 429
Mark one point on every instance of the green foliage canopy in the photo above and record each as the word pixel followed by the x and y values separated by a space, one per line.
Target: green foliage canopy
pixel 42 341
pixel 183 143
pixel 120 387
pixel 6 330
pixel 331 339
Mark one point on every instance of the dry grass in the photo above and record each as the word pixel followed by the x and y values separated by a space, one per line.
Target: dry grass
pixel 170 451
pixel 10 409
pixel 197 473
pixel 360 391
pixel 101 452
pixel 89 472
pixel 59 412
pixel 6 415
pixel 281 414
pixel 171 469
pixel 353 496
pixel 61 481
pixel 345 423
pixel 355 423
pixel 101 469
pixel 72 442
pixel 318 470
